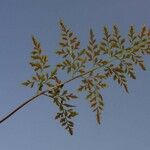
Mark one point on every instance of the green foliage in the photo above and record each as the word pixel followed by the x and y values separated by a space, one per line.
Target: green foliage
pixel 113 57
pixel 39 63
pixel 50 82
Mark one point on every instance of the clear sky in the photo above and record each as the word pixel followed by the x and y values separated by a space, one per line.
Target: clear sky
pixel 126 118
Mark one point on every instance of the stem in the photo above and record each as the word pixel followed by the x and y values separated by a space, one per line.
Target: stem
pixel 91 70
pixel 22 105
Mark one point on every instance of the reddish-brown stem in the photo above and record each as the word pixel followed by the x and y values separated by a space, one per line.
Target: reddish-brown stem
pixel 20 106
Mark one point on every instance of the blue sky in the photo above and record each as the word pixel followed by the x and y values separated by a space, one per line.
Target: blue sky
pixel 125 123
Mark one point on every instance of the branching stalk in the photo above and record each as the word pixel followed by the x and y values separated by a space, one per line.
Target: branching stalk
pixel 44 92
